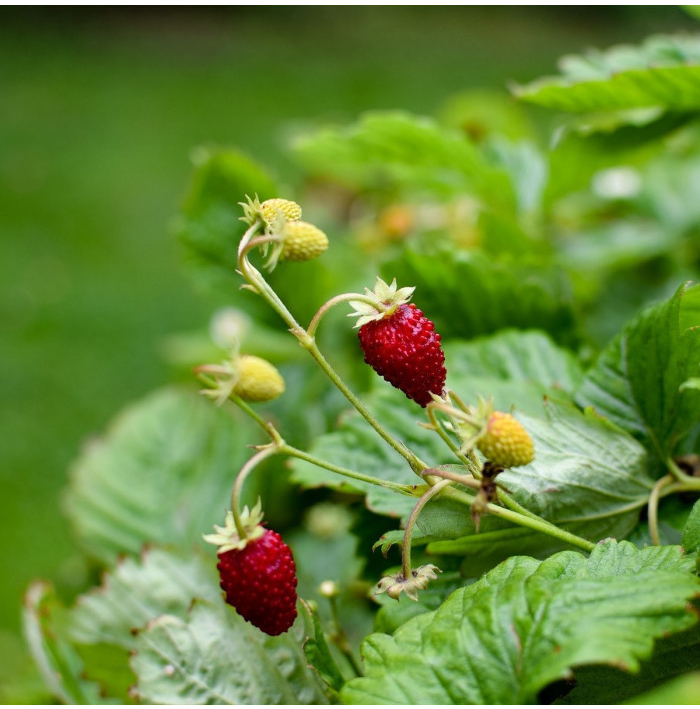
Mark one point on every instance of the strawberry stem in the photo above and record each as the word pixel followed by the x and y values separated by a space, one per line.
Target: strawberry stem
pixel 262 287
pixel 346 472
pixel 249 466
pixel 337 300
pixel 283 448
pixel 690 482
pixel 411 522
pixel 653 507
pixel 536 523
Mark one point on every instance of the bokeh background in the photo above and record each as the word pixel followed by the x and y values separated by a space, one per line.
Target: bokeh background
pixel 100 110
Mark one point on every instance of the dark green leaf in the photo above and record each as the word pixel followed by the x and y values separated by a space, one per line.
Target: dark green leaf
pixel 637 379
pixel 672 656
pixel 468 295
pixel 527 624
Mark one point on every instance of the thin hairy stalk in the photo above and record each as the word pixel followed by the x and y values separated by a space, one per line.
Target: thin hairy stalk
pixel 691 483
pixel 539 525
pixel 263 453
pixel 411 522
pixel 347 472
pixel 261 286
pixel 653 506
pixel 266 426
pixel 340 638
pixel 437 426
pixel 337 300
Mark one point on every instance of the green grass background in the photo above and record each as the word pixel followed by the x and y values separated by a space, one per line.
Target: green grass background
pixel 99 110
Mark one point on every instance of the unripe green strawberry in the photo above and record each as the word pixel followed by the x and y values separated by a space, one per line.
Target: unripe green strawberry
pixel 257 379
pixel 505 442
pixel 302 241
pixel 271 208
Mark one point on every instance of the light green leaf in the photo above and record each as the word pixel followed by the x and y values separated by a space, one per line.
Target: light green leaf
pixel 527 624
pixel 402 148
pixel 692 383
pixel 691 531
pixel 215 657
pixel 637 379
pixel 467 294
pixel 137 591
pixel 663 71
pixel 162 473
pixel 516 367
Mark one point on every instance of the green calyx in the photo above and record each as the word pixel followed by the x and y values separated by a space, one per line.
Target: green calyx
pixel 381 302
pixel 228 537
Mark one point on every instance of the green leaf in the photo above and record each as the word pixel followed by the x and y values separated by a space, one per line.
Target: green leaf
pixel 586 148
pixel 137 591
pixel 517 368
pixel 527 624
pixel 162 473
pixel 637 379
pixel 402 148
pixel 57 660
pixel 683 690
pixel 467 294
pixel 691 531
pixel 357 446
pixel 102 624
pixel 672 655
pixel 215 657
pixel 587 476
pixel 663 71
pixel 209 226
pixel 319 655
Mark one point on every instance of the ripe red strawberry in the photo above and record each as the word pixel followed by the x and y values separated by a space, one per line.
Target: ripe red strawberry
pixel 260 582
pixel 257 573
pixel 401 345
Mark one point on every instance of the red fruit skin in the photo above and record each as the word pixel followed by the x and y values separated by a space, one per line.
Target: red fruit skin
pixel 260 582
pixel 405 349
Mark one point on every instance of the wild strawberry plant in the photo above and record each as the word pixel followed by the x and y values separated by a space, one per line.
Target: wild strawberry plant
pixel 504 512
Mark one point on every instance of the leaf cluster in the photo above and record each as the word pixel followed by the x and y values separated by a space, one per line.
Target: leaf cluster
pixel 560 267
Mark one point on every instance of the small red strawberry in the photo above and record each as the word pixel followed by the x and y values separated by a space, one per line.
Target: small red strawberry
pixel 400 344
pixel 257 573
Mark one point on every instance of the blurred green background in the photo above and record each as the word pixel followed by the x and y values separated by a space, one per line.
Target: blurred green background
pixel 100 111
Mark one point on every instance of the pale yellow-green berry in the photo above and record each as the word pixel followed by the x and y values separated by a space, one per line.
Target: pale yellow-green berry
pixel 272 208
pixel 506 442
pixel 302 241
pixel 257 379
